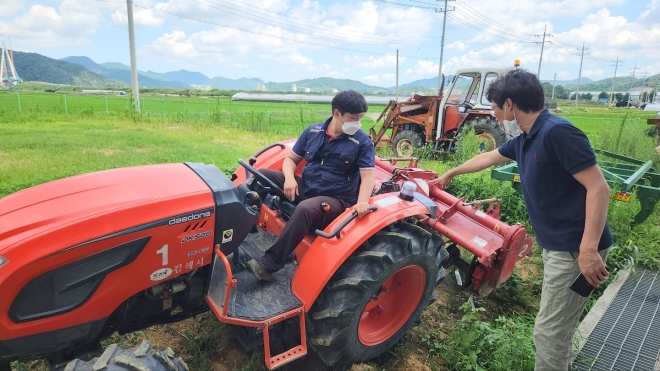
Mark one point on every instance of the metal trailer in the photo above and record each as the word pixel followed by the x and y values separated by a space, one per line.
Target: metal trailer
pixel 624 175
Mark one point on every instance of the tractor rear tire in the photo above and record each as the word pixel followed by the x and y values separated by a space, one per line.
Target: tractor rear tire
pixel 140 358
pixel 489 129
pixel 405 143
pixel 377 295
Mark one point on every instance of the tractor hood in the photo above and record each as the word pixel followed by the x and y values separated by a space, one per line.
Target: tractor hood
pixel 165 190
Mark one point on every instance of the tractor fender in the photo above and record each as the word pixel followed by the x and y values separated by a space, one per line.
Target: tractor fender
pixel 325 256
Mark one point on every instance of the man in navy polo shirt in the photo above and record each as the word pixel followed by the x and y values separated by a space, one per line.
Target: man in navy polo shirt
pixel 339 170
pixel 566 197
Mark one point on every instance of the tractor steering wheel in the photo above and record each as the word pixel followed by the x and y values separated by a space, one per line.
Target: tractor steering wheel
pixel 468 105
pixel 267 183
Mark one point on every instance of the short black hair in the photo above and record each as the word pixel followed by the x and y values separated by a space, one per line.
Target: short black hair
pixel 349 101
pixel 521 86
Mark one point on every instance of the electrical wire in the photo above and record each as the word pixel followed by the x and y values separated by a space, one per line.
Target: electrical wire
pixel 262 33
pixel 279 18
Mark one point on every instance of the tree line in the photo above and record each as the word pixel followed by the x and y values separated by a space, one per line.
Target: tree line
pixel 563 93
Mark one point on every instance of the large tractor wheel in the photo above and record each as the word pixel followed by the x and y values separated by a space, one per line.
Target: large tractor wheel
pixel 377 295
pixel 141 358
pixel 491 134
pixel 405 142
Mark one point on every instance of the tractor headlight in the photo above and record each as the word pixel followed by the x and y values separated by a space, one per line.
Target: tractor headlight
pixel 3 261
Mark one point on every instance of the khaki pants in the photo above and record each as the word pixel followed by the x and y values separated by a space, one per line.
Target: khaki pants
pixel 559 311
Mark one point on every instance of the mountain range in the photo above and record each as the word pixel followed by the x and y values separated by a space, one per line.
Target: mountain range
pixel 83 71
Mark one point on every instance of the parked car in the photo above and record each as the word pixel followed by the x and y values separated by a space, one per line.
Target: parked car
pixel 625 104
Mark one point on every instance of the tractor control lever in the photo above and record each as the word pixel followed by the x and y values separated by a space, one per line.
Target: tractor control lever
pixel 325 207
pixel 341 226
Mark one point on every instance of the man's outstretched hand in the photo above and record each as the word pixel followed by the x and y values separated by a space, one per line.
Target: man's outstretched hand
pixel 444 180
pixel 592 267
pixel 362 208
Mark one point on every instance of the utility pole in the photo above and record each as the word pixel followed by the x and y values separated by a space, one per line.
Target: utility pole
pixel 397 76
pixel 580 74
pixel 134 75
pixel 442 43
pixel 634 69
pixel 643 83
pixel 553 86
pixel 616 65
pixel 542 43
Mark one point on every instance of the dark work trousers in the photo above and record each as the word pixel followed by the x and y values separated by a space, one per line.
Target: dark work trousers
pixel 307 216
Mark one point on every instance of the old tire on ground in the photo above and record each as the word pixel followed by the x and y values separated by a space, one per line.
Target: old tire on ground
pixel 140 358
pixel 377 295
pixel 491 133
pixel 405 143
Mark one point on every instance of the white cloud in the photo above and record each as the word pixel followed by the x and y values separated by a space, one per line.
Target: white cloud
pixel 172 46
pixel 373 61
pixel 593 74
pixel 143 17
pixel 563 75
pixel 423 68
pixel 8 9
pixel 371 79
pixel 68 25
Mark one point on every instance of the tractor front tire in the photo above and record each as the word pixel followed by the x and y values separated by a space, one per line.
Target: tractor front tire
pixel 405 143
pixel 377 295
pixel 140 358
pixel 489 130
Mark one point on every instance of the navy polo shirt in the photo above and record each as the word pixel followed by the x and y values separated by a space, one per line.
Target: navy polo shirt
pixel 333 164
pixel 548 157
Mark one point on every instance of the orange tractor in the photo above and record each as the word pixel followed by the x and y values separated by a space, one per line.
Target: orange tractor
pixel 120 250
pixel 441 120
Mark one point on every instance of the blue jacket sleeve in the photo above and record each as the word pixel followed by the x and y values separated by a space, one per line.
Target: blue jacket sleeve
pixel 508 149
pixel 571 148
pixel 299 147
pixel 366 155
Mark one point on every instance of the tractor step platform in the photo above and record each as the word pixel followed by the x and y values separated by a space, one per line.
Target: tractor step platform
pixel 256 300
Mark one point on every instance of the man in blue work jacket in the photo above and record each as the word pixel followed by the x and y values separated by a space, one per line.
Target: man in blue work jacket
pixel 566 197
pixel 339 171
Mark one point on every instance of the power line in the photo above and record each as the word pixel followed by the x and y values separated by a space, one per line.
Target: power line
pixel 263 18
pixel 261 33
pixel 634 69
pixel 473 11
pixel 482 30
pixel 404 5
pixel 484 23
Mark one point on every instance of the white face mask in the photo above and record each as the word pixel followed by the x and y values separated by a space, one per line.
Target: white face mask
pixel 511 127
pixel 350 127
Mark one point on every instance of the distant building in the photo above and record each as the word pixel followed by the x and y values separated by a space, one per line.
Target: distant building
pixel 200 87
pixel 261 87
pixel 105 92
pixel 335 91
pixel 636 92
pixel 294 88
pixel 308 90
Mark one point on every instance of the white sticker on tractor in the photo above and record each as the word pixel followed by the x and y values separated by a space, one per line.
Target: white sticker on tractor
pixel 480 241
pixel 161 274
pixel 227 235
pixel 387 201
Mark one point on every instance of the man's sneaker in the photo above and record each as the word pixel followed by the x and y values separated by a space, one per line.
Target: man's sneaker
pixel 258 270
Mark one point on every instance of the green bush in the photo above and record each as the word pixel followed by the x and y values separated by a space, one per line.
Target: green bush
pixel 503 344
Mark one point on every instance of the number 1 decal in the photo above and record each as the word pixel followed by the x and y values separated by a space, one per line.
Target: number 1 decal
pixel 163 251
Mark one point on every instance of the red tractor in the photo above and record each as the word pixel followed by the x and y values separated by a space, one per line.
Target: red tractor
pixel 120 250
pixel 440 120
